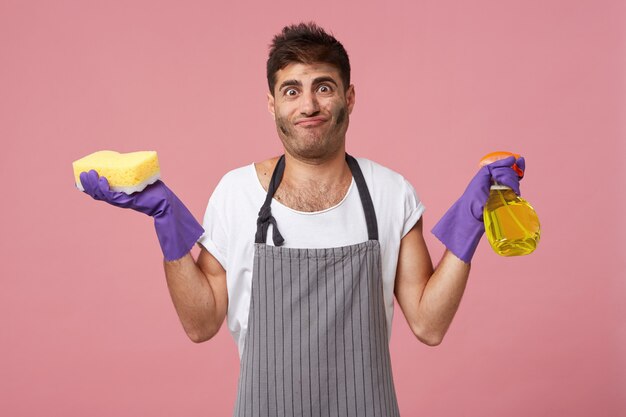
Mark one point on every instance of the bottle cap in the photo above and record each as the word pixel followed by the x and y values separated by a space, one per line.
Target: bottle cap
pixel 496 156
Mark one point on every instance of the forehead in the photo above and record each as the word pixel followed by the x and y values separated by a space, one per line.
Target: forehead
pixel 307 72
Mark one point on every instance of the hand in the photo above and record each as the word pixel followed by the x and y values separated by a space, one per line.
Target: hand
pixel 461 228
pixel 175 226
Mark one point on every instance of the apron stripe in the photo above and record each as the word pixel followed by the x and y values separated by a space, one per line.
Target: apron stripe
pixel 382 336
pixel 353 336
pixel 366 377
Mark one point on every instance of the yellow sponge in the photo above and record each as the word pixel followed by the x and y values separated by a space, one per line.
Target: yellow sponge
pixel 126 172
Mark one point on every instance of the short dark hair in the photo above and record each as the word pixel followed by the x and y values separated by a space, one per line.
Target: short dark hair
pixel 306 43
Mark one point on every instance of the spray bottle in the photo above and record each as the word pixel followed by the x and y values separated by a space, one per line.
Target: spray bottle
pixel 511 223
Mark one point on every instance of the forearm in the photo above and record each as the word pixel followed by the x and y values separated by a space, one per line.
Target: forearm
pixel 441 297
pixel 193 298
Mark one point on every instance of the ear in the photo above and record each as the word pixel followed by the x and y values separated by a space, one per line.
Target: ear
pixel 350 98
pixel 270 104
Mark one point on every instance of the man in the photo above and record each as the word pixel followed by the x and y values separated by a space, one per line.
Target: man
pixel 304 253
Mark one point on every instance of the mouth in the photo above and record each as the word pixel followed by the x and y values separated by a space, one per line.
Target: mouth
pixel 311 121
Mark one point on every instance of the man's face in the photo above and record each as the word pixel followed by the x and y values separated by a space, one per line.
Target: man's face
pixel 311 108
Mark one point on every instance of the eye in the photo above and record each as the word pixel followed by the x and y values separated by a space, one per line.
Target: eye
pixel 324 88
pixel 290 92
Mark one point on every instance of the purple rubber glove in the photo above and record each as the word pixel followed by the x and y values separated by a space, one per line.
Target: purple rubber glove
pixel 175 226
pixel 461 228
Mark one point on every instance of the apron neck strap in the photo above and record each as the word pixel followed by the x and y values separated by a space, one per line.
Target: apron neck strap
pixel 366 199
pixel 265 214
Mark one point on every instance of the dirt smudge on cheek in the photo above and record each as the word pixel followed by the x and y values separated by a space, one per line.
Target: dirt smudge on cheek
pixel 341 116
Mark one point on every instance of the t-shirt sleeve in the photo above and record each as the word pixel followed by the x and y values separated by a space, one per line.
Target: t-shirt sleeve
pixel 215 237
pixel 413 208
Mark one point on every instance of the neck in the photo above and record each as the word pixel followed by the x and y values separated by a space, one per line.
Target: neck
pixel 331 169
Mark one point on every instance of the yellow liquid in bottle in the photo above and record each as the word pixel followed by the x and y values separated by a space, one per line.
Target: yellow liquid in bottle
pixel 511 224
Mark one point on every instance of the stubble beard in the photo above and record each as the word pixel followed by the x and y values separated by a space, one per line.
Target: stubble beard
pixel 312 144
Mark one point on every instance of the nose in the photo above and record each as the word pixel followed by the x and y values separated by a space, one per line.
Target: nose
pixel 309 105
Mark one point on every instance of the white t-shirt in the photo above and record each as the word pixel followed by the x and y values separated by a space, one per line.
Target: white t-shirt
pixel 230 226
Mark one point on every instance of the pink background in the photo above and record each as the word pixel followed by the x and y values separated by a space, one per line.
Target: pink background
pixel 88 327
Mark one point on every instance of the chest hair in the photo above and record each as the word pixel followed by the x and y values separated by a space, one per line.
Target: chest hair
pixel 312 196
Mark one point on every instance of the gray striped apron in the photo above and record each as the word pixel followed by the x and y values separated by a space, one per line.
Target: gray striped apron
pixel 316 343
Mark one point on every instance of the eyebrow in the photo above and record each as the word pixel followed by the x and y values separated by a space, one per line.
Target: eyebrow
pixel 290 83
pixel 324 79
pixel 297 83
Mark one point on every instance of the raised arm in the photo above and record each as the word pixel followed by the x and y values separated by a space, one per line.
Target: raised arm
pixel 198 289
pixel 430 298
